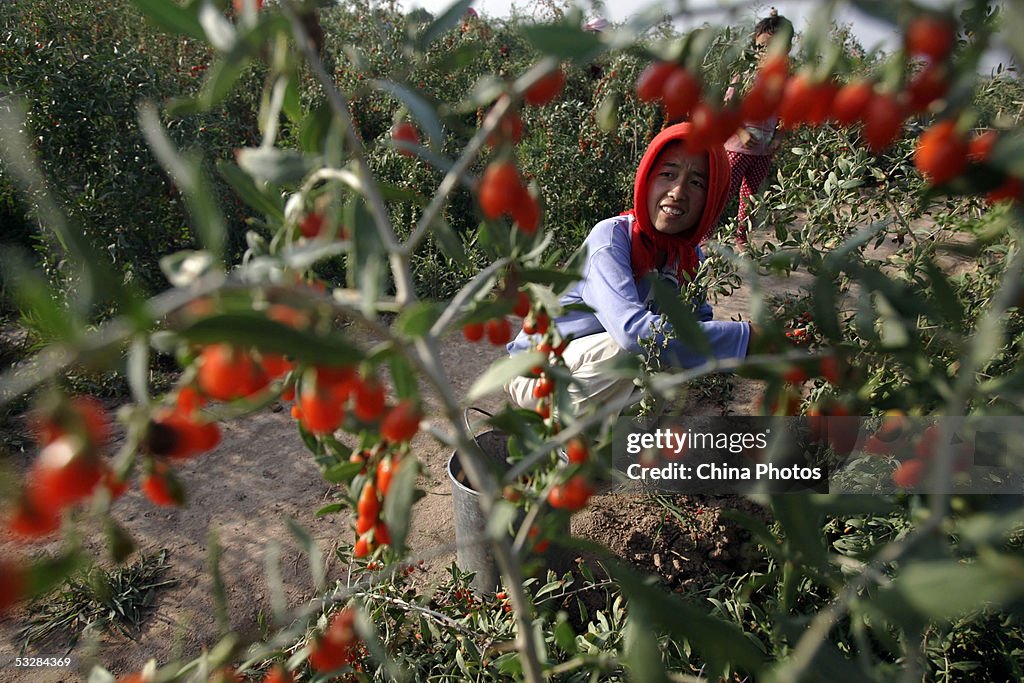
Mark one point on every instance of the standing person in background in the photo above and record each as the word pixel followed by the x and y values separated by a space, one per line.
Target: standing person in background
pixel 751 148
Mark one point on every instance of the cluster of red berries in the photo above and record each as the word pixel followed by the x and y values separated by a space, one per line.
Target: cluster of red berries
pixel 338 645
pixel 572 495
pixel 831 422
pixel 497 330
pixel 312 225
pixel 828 368
pixel 371 530
pixel 503 192
pixel 801 99
pixel 405 132
pixel 70 467
pixel 896 436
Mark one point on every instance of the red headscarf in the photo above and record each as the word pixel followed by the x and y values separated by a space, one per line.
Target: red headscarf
pixel 647 243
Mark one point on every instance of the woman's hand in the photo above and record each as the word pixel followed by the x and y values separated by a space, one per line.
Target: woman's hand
pixel 755 337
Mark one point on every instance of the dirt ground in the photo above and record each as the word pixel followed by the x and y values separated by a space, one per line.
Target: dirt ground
pixel 261 475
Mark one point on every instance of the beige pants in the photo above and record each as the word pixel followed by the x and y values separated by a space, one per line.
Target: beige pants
pixel 588 360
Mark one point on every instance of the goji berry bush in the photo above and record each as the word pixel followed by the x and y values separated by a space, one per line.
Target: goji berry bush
pixel 420 176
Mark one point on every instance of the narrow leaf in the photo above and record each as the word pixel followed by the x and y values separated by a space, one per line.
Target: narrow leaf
pixel 172 17
pixel 219 31
pixel 421 110
pixel 800 524
pixel 219 589
pixel 418 319
pixel 548 276
pixel 719 643
pixel 308 544
pixel 269 335
pixel 448 240
pixel 268 203
pixel 502 371
pixel 275 165
pixel 937 588
pixel 403 377
pixel 564 42
pixel 449 18
pixel 398 502
pixel 684 323
pixel 220 79
pixel 138 370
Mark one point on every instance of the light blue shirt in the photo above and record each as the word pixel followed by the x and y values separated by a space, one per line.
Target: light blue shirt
pixel 624 307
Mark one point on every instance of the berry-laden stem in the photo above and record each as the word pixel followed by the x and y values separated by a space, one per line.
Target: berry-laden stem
pixel 426 348
pixel 400 262
pixel 484 482
pixel 451 179
pixel 433 614
pixel 455 306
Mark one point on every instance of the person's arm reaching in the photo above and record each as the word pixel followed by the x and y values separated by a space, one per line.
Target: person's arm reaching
pixel 610 290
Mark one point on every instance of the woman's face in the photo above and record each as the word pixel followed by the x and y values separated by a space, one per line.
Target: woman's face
pixel 677 190
pixel 761 41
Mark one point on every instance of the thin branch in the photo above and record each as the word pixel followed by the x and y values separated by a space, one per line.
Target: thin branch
pixel 400 266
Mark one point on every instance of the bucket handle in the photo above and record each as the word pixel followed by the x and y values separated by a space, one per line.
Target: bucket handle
pixel 469 426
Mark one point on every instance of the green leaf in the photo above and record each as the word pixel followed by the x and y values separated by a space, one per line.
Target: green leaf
pixel 275 165
pixel 315 126
pixel 97 674
pixel 608 112
pixel 549 276
pixel 220 79
pixel 343 472
pixel 502 372
pixel 119 541
pixel 503 514
pixel 448 240
pixel 565 637
pixel 461 57
pixel 417 320
pixel 800 524
pixel 330 509
pixel 398 502
pixel 268 203
pixel 219 588
pixel 393 193
pixel 684 323
pixel 421 110
pixel 138 370
pixel 564 42
pixel 437 28
pixel 939 590
pixel 641 654
pixel 262 333
pixel 719 643
pixel 172 17
pixel 824 307
pixel 403 377
pixel 45 574
pixel 366 268
pixel 309 545
pixel 219 31
pixel 292 101
pixel 945 297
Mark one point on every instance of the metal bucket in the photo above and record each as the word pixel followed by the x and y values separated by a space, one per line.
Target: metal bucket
pixel 474 552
